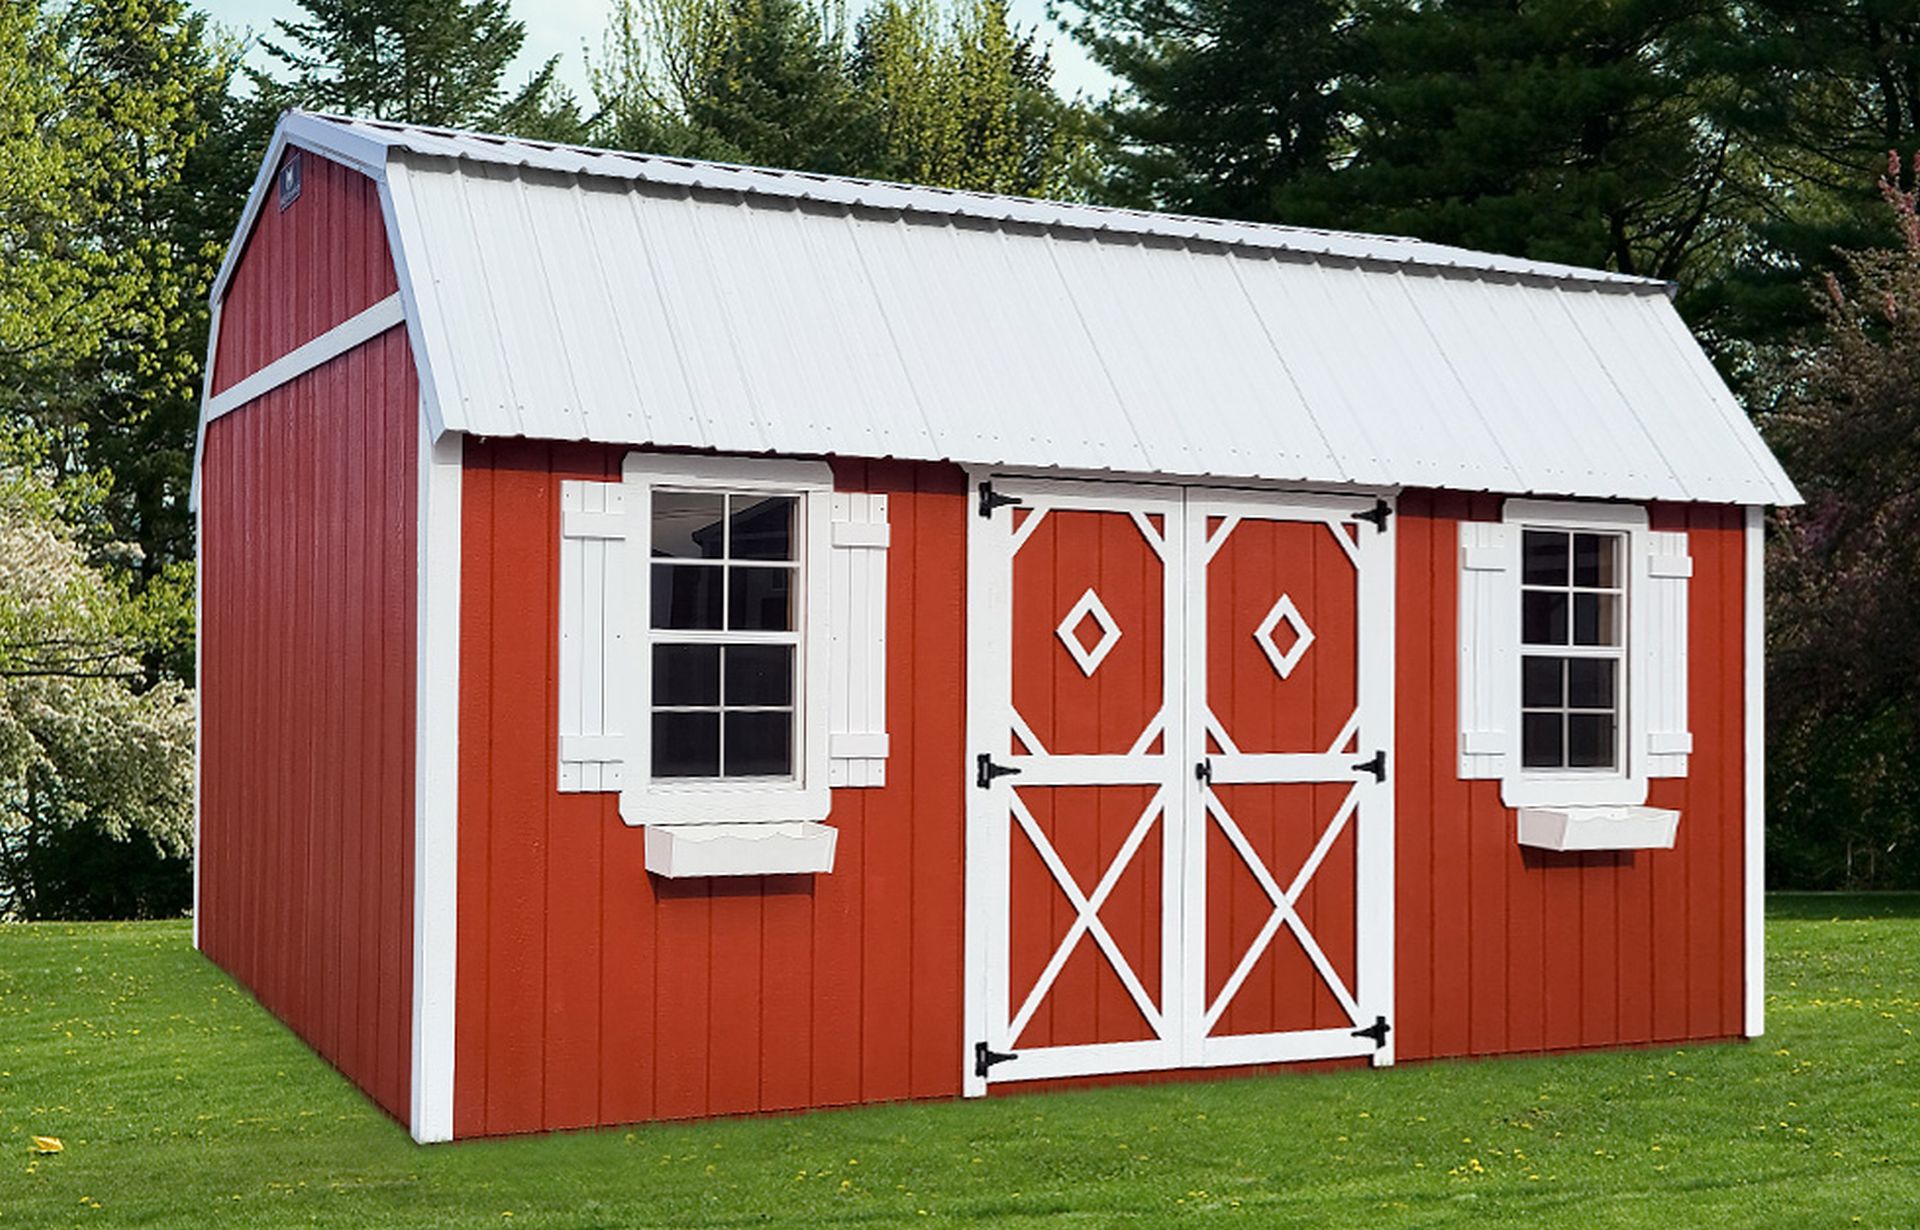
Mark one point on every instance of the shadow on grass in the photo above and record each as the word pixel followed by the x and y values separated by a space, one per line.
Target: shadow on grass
pixel 1818 907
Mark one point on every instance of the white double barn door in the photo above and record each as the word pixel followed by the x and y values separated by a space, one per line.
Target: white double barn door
pixel 1179 845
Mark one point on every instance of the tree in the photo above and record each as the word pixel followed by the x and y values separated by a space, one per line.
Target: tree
pixel 1598 135
pixel 432 62
pixel 752 81
pixel 150 184
pixel 1227 101
pixel 96 757
pixel 1843 630
pixel 964 100
pixel 953 97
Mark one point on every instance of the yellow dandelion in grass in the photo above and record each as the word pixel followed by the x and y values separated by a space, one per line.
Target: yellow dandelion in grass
pixel 48 1144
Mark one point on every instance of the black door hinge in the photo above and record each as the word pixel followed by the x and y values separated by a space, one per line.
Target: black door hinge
pixel 1203 772
pixel 991 499
pixel 1377 766
pixel 989 770
pixel 1378 514
pixel 1377 1031
pixel 984 1057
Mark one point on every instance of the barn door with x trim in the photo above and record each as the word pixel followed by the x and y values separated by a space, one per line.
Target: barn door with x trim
pixel 1076 714
pixel 1288 857
pixel 1177 849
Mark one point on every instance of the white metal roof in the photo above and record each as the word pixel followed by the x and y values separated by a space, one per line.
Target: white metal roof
pixel 581 294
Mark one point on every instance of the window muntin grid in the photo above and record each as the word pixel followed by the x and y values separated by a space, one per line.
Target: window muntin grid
pixel 724 634
pixel 1573 603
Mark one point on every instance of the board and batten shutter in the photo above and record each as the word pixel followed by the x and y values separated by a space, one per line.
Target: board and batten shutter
pixel 1669 569
pixel 593 532
pixel 594 524
pixel 857 641
pixel 1489 683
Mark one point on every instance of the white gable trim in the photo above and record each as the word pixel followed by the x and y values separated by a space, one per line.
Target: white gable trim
pixel 330 345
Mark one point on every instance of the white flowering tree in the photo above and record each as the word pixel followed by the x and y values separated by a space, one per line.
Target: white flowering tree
pixel 90 746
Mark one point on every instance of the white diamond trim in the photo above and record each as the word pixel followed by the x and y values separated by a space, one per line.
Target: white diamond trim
pixel 1089 660
pixel 1283 663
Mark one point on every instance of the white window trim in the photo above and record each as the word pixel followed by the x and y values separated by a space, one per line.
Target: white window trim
pixel 1520 787
pixel 643 801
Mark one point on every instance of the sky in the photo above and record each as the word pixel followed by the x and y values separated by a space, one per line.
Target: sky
pixel 567 28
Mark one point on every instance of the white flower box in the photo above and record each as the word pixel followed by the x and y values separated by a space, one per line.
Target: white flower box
pixel 769 849
pixel 1598 828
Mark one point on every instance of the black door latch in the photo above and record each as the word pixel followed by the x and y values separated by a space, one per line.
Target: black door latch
pixel 984 1057
pixel 989 770
pixel 1203 772
pixel 1377 1031
pixel 1377 766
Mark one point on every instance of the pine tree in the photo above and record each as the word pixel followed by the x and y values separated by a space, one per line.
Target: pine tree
pixel 432 62
pixel 1226 102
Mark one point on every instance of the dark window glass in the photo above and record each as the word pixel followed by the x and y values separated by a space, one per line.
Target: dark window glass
pixel 760 599
pixel 1596 560
pixel 759 674
pixel 686 744
pixel 1540 741
pixel 762 528
pixel 688 525
pixel 1543 618
pixel 1543 558
pixel 760 743
pixel 1590 740
pixel 686 596
pixel 1590 683
pixel 686 675
pixel 1596 619
pixel 1540 680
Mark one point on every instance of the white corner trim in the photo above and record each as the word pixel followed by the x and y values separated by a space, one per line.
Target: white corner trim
pixel 199 691
pixel 436 785
pixel 1754 709
pixel 335 342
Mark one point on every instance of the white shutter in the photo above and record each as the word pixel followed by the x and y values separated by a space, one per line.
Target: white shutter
pixel 1662 655
pixel 593 531
pixel 1489 682
pixel 857 642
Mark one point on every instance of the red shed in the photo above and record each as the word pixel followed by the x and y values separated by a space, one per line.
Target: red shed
pixel 681 640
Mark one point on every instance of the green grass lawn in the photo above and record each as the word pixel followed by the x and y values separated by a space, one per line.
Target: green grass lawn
pixel 182 1104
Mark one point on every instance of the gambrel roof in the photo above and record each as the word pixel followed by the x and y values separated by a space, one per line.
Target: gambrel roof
pixel 568 293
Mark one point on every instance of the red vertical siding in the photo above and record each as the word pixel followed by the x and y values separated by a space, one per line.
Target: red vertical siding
pixel 307 660
pixel 304 269
pixel 1501 949
pixel 590 992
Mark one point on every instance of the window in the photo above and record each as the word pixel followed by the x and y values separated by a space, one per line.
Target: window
pixel 1573 677
pixel 724 637
pixel 726 641
pixel 1573 606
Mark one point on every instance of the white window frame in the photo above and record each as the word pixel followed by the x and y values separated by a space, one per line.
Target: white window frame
pixel 805 796
pixel 1627 783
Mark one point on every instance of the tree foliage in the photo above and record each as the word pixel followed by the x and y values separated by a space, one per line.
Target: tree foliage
pixel 1843 628
pixel 94 752
pixel 434 62
pixel 917 91
pixel 1226 100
